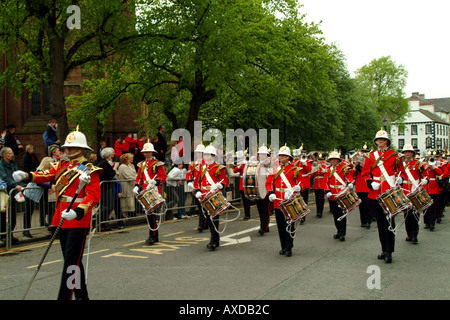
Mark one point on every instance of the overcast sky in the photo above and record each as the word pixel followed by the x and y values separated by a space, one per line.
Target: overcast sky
pixel 415 33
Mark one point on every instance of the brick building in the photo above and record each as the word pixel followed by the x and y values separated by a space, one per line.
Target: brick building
pixel 30 115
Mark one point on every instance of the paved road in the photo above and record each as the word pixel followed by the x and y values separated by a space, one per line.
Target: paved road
pixel 245 267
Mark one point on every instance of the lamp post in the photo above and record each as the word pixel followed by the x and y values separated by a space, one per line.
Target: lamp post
pixel 385 122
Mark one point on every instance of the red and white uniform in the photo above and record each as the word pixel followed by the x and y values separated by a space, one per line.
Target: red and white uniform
pixel 276 184
pixel 214 172
pixel 151 170
pixel 371 171
pixel 431 174
pixel 334 184
pixel 88 197
pixel 319 178
pixel 415 169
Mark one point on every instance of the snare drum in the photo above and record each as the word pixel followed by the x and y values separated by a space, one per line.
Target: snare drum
pixel 394 201
pixel 420 199
pixel 150 200
pixel 294 208
pixel 214 203
pixel 348 200
pixel 254 182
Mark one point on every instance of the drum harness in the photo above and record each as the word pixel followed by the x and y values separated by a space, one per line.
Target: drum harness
pixel 338 178
pixel 207 216
pixel 392 184
pixel 290 227
pixel 416 186
pixel 148 179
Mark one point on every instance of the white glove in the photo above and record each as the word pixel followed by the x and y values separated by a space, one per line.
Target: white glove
pixel 297 188
pixel 218 185
pixel 85 178
pixel 136 190
pixel 424 181
pixel 19 175
pixel 375 185
pixel 399 180
pixel 272 197
pixel 329 194
pixel 68 215
pixel 190 184
pixel 198 195
pixel 350 186
pixel 151 184
pixel 287 194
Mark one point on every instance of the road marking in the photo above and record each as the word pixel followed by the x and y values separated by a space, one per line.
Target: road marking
pixel 229 241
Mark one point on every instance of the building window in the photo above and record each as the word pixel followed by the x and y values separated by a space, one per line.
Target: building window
pixel 401 143
pixel 414 129
pixel 401 132
pixel 414 143
pixel 428 129
pixel 40 101
pixel 439 143
pixel 429 143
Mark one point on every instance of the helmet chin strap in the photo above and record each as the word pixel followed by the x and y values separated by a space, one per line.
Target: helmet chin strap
pixel 76 154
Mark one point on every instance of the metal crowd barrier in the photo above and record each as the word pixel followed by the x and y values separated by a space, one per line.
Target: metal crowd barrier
pixel 37 214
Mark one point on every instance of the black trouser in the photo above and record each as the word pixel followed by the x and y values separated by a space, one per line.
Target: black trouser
pixel 263 210
pixel 320 200
pixel 73 278
pixel 364 209
pixel 429 217
pixel 387 238
pixel 286 240
pixel 341 226
pixel 411 223
pixel 153 226
pixel 213 224
pixel 246 202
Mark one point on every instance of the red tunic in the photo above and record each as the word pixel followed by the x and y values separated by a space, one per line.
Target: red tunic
pixel 415 168
pixel 334 185
pixel 154 169
pixel 275 183
pixel 319 175
pixel 216 172
pixel 89 196
pixel 432 186
pixel 371 170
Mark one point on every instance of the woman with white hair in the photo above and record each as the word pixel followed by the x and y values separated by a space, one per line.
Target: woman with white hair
pixel 106 199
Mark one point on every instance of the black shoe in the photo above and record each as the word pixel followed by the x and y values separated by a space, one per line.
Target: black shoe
pixel 341 238
pixel 431 228
pixel 246 217
pixel 319 215
pixel 151 241
pixel 388 258
pixel 414 240
pixel 288 253
pixel 382 256
pixel 408 239
pixel 211 246
pixel 282 252
pixel 27 234
pixel 336 236
pixel 302 220
pixel 261 232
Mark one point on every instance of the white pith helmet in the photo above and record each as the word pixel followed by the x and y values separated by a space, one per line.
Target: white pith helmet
pixel 148 147
pixel 210 150
pixel 284 150
pixel 200 148
pixel 76 139
pixel 382 134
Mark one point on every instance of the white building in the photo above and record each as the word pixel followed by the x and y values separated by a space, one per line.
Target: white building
pixel 427 125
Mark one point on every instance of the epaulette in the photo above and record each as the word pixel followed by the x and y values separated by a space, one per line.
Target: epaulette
pixel 92 168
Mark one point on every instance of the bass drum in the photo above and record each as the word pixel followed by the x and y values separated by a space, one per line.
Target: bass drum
pixel 254 181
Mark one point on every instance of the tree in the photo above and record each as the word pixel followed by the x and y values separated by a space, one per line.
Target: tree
pixel 386 81
pixel 233 62
pixel 40 45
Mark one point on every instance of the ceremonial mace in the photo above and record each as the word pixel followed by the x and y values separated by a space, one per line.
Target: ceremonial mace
pixel 82 183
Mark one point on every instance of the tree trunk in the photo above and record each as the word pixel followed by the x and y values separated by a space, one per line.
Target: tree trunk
pixel 57 99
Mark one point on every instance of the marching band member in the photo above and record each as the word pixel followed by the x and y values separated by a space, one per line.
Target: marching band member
pixel 431 173
pixel 380 173
pixel 67 176
pixel 240 168
pixel 320 185
pixel 212 177
pixel 442 181
pixel 284 178
pixel 361 188
pixel 151 174
pixel 195 168
pixel 337 178
pixel 305 167
pixel 411 174
pixel 263 204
